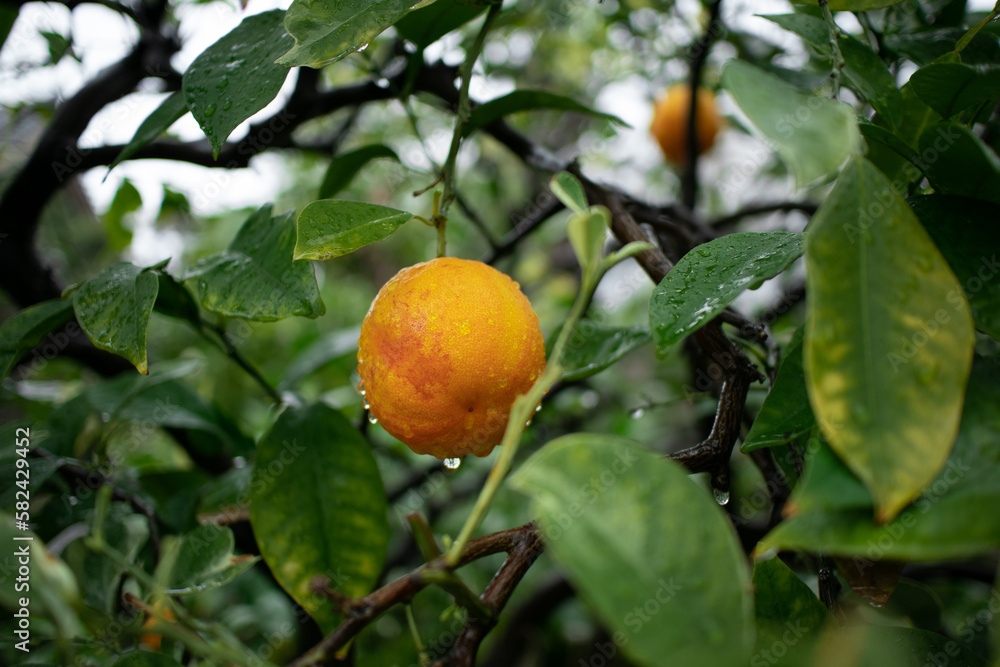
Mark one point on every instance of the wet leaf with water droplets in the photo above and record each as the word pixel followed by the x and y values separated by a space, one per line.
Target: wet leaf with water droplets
pixel 697 289
pixel 256 278
pixel 330 228
pixel 325 32
pixel 114 307
pixel 245 58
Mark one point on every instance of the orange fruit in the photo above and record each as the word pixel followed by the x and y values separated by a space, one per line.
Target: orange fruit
pixel 445 348
pixel 670 119
pixel 151 640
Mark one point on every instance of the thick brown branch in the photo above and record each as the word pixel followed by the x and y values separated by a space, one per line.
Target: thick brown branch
pixel 495 597
pixel 521 544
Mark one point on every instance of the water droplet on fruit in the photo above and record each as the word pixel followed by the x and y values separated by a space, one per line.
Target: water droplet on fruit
pixel 372 419
pixel 538 408
pixel 452 464
pixel 721 497
pixel 365 403
pixel 361 388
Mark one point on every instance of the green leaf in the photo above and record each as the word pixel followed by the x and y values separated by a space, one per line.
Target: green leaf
pixel 707 279
pixel 949 88
pixel 173 404
pixel 113 308
pixel 957 162
pixel 812 134
pixel 127 200
pixel 966 232
pixel 894 149
pixel 139 658
pixel 887 646
pixel 782 602
pixel 785 414
pixel 569 190
pixel 203 559
pixel 99 576
pixel 592 347
pixel 528 100
pixel 870 77
pixel 325 32
pixel 158 122
pixel 318 507
pixel 587 230
pixel 236 77
pixel 174 300
pixel 59 46
pixel 649 552
pixel 27 328
pixel 345 167
pixel 330 228
pixel 812 29
pixel 864 71
pixel 925 46
pixel 944 523
pixel 428 24
pixel 257 277
pixel 175 204
pixel 827 484
pixel 852 5
pixel 888 341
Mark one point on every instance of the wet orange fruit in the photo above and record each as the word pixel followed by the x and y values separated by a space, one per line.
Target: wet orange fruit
pixel 670 120
pixel 445 348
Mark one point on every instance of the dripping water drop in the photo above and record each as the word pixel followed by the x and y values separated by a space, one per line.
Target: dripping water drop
pixel 452 464
pixel 721 497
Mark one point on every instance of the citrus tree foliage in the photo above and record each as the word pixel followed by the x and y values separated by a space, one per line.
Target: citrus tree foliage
pixel 770 426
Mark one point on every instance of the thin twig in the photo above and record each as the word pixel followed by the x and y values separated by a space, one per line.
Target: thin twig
pixel 462 117
pixel 689 179
pixel 221 340
pixel 835 53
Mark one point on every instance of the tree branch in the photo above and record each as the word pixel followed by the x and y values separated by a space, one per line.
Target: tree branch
pixel 521 544
pixel 701 48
